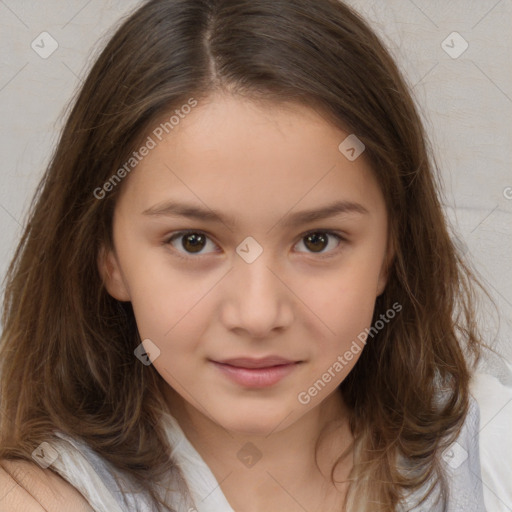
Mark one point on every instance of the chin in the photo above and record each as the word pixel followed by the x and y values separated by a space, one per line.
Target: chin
pixel 256 423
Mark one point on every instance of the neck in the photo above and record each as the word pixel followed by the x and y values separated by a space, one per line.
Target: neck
pixel 293 463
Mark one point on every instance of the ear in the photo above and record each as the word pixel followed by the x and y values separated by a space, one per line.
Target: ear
pixel 386 265
pixel 111 275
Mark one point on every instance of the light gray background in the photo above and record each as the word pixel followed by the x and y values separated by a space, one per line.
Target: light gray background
pixel 466 103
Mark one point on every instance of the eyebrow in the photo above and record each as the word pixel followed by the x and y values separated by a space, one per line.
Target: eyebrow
pixel 176 209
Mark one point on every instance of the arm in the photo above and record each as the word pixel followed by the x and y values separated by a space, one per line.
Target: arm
pixel 26 487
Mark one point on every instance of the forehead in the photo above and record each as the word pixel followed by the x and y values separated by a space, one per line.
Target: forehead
pixel 240 155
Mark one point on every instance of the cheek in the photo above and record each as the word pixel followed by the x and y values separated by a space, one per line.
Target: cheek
pixel 344 301
pixel 162 298
pixel 173 325
pixel 163 312
pixel 346 310
pixel 173 309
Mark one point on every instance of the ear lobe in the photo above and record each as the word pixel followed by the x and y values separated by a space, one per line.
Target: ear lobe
pixel 111 275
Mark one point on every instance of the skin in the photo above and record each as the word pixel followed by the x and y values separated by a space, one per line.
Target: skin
pixel 259 163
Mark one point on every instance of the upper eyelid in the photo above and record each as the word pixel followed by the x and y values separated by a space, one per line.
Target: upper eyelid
pixel 301 235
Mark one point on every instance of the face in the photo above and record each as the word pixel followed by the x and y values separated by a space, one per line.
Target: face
pixel 224 247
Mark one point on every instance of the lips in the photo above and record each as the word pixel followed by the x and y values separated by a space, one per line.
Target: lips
pixel 249 362
pixel 256 373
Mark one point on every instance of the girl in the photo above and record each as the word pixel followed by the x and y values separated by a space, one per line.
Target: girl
pixel 236 289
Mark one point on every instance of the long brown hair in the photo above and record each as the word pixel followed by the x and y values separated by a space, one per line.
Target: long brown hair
pixel 66 352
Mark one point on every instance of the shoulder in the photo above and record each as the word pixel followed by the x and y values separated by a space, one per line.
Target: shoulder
pixel 494 396
pixel 26 487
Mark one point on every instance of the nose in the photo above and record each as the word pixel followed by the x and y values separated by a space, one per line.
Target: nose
pixel 257 301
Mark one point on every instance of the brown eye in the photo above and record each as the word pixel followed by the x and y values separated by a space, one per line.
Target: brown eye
pixel 318 241
pixel 192 242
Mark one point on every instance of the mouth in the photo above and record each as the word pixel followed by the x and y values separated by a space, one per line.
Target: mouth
pixel 251 362
pixel 251 373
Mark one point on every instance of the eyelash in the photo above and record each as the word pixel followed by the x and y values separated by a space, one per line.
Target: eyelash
pixel 189 256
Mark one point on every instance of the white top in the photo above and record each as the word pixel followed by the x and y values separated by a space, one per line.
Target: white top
pixel 93 476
